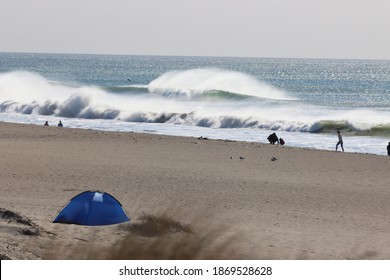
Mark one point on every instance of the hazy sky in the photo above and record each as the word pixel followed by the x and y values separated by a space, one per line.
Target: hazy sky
pixel 256 28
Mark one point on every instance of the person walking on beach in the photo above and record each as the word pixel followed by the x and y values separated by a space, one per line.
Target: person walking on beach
pixel 340 140
pixel 388 149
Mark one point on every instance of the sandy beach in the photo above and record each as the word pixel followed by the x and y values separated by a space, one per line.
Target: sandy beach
pixel 307 204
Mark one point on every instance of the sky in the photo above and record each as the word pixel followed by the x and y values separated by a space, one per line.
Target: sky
pixel 354 29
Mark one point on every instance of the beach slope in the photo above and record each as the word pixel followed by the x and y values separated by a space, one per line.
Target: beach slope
pixel 306 204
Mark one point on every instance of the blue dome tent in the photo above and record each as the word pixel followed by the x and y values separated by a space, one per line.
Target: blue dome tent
pixel 92 208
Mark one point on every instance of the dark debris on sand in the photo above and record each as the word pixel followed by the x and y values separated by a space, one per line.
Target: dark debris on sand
pixel 11 216
pixel 32 229
pixel 4 257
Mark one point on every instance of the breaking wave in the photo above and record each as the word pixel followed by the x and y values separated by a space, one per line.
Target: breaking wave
pixel 201 97
pixel 214 83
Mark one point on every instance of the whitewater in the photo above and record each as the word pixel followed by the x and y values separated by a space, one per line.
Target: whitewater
pixel 304 101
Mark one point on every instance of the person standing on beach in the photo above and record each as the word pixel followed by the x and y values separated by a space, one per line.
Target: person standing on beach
pixel 60 124
pixel 340 140
pixel 388 149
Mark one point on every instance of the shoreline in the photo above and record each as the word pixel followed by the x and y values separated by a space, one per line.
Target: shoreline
pixel 301 140
pixel 307 204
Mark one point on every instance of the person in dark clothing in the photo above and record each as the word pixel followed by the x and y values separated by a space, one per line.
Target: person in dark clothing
pixel 388 149
pixel 273 138
pixel 340 142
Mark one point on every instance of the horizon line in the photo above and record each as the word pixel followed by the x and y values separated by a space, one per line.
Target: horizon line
pixel 170 55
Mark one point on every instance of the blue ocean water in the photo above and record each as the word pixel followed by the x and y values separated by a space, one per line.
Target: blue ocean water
pixel 304 100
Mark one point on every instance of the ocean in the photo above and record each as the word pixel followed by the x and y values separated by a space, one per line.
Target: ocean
pixel 305 101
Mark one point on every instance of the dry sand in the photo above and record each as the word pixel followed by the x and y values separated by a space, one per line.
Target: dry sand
pixel 307 204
